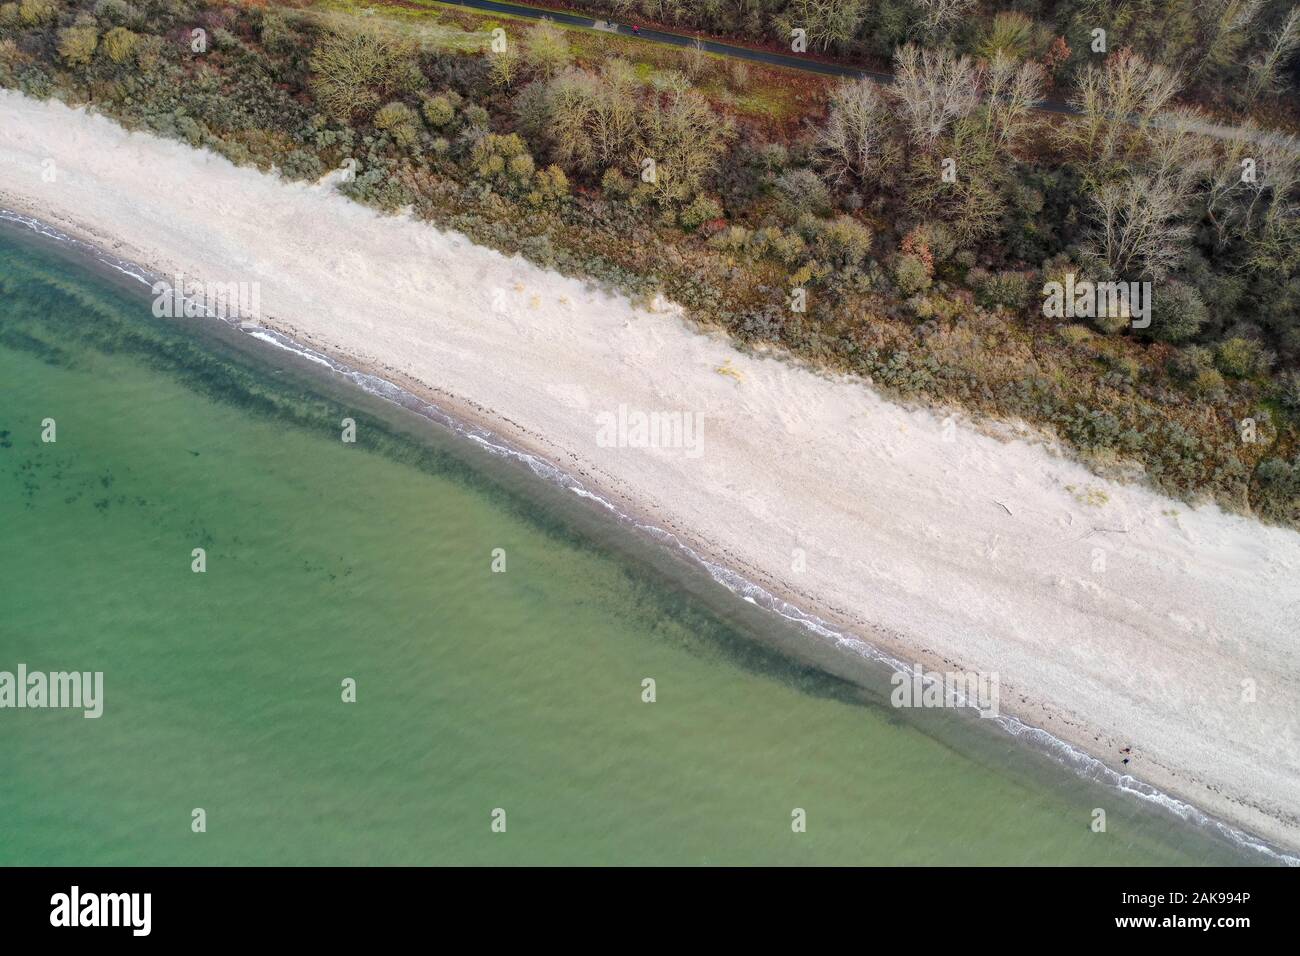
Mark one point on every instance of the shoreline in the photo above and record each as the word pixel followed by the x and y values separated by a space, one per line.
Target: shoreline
pixel 472 426
pixel 819 610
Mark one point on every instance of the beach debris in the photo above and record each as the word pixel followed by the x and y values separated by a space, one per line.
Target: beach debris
pixel 726 369
pixel 1004 507
pixel 1093 497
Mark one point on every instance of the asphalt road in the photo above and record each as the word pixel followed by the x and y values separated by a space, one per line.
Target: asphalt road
pixel 790 61
pixel 794 62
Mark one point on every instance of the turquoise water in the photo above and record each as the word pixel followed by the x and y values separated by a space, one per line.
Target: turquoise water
pixel 476 691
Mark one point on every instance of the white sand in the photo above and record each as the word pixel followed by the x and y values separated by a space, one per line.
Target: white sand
pixel 905 540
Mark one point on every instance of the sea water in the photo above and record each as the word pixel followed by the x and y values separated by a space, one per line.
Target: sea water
pixel 413 649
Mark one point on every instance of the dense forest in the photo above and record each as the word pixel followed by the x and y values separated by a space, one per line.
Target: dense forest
pixel 904 232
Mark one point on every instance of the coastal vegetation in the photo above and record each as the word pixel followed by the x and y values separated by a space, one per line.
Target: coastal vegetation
pixel 901 232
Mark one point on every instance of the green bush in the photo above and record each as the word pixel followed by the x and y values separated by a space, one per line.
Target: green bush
pixel 911 276
pixel 703 209
pixel 1010 290
pixel 1190 362
pixel 1009 34
pixel 1209 383
pixel 614 184
pixel 1237 357
pixel 843 242
pixel 119 44
pixel 34 12
pixel 1177 312
pixel 77 43
pixel 394 115
pixel 438 110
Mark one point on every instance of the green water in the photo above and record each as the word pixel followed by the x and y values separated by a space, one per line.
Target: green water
pixel 475 690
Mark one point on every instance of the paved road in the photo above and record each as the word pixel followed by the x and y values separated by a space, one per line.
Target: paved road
pixel 806 64
pixel 674 39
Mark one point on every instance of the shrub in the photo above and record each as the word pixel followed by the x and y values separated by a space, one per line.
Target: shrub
pixel 1010 290
pixel 911 276
pixel 789 247
pixel 1288 390
pixel 549 185
pixel 34 12
pixel 1237 357
pixel 1209 383
pixel 738 75
pixel 732 239
pixel 699 212
pixel 354 69
pixel 394 115
pixel 843 242
pixel 1190 362
pixel 1010 35
pixel 438 110
pixel 1177 312
pixel 117 13
pixel 119 44
pixel 504 160
pixel 1279 487
pixel 275 32
pixel 520 168
pixel 614 184
pixel 799 192
pixel 149 54
pixel 77 43
pixel 1074 334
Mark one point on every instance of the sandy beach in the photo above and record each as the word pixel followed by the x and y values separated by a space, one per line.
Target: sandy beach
pixel 1113 617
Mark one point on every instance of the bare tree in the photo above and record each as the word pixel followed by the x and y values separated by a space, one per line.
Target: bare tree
pixel 1224 26
pixel 1138 233
pixel 504 66
pixel 546 48
pixel 1116 104
pixel 938 17
pixel 933 89
pixel 854 139
pixel 1272 211
pixel 1177 152
pixel 1264 68
pixel 1011 92
pixel 1225 185
pixel 684 137
pixel 827 22
pixel 695 59
pixel 354 70
pixel 591 120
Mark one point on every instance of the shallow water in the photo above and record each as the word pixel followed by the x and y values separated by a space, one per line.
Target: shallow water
pixel 476 691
